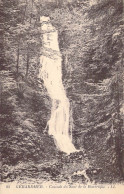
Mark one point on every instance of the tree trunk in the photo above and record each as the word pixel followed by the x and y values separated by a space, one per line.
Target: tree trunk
pixel 25 11
pixel 17 66
pixel 1 100
pixel 31 10
pixel 27 67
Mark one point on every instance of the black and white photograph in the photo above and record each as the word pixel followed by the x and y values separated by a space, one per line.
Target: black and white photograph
pixel 61 94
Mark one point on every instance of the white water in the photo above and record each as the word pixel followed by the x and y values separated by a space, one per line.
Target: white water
pixel 51 74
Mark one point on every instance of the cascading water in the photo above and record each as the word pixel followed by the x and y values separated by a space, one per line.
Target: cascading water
pixel 51 74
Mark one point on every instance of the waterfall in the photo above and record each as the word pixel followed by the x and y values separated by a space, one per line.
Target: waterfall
pixel 51 73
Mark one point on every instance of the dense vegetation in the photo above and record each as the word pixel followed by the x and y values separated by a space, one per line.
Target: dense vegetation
pixel 90 37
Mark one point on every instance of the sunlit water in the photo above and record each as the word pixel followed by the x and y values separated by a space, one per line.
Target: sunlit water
pixel 51 74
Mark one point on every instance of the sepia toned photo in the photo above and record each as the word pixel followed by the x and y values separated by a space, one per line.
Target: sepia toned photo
pixel 61 95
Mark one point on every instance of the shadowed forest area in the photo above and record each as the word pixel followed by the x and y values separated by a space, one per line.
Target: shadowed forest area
pixel 90 39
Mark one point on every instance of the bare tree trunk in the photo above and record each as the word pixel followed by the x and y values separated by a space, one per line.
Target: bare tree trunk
pixel 1 100
pixel 32 2
pixel 17 65
pixel 26 2
pixel 27 65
